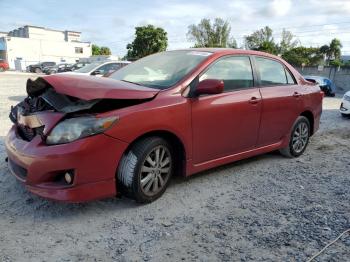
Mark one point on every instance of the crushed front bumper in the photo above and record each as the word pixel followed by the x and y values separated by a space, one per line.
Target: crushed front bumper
pixel 94 161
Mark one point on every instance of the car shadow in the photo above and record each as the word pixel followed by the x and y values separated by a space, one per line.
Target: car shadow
pixel 221 169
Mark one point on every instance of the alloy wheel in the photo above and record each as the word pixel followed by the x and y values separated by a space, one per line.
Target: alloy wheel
pixel 155 170
pixel 300 137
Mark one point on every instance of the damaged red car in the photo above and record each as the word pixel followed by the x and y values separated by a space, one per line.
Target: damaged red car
pixel 81 138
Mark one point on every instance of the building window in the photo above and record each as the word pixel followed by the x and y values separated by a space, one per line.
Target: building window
pixel 78 50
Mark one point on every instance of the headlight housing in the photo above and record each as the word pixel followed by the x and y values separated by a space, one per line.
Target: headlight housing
pixel 73 129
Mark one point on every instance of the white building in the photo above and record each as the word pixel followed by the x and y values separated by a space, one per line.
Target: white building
pixel 31 44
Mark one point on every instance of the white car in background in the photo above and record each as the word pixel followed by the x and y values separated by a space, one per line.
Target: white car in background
pixel 100 68
pixel 345 105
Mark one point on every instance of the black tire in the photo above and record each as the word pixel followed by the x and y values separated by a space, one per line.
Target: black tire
pixel 130 168
pixel 37 70
pixel 290 150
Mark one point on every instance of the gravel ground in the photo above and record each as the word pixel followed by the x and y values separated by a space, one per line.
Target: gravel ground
pixel 262 209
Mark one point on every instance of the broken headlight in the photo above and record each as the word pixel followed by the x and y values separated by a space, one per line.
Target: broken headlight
pixel 75 128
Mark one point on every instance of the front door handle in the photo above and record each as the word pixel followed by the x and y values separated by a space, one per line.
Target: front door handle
pixel 254 100
pixel 296 94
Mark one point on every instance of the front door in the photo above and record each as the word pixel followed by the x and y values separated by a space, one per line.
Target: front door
pixel 226 123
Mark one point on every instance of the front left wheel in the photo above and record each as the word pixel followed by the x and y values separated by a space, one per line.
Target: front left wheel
pixel 145 170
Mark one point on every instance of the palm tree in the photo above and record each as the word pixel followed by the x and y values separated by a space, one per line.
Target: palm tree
pixel 335 48
pixel 332 51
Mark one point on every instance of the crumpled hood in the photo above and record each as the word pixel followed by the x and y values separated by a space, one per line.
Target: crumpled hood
pixel 90 87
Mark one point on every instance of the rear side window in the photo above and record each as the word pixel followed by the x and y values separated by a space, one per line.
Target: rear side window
pixel 235 71
pixel 272 72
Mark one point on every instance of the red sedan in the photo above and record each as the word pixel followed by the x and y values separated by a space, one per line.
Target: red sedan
pixel 80 138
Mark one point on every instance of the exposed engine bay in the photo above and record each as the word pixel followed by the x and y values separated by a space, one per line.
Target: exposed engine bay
pixel 43 98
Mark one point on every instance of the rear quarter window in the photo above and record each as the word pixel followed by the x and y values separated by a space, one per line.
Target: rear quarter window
pixel 290 78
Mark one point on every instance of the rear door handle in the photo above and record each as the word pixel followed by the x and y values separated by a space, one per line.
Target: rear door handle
pixel 254 100
pixel 296 94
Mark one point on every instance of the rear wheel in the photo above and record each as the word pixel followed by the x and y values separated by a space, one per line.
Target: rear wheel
pixel 145 170
pixel 37 70
pixel 299 138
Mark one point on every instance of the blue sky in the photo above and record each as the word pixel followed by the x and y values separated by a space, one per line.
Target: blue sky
pixel 112 23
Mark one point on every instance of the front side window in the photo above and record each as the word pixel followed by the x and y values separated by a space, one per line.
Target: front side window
pixel 271 72
pixel 89 67
pixel 108 68
pixel 114 67
pixel 235 71
pixel 103 69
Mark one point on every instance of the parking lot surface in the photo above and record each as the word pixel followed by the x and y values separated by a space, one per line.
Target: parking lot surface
pixel 263 208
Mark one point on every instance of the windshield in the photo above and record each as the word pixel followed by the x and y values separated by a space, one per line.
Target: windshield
pixel 161 70
pixel 88 68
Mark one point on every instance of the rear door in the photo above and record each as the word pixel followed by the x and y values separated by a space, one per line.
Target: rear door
pixel 226 123
pixel 281 100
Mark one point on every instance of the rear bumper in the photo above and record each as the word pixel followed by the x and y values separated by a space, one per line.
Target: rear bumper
pixel 93 160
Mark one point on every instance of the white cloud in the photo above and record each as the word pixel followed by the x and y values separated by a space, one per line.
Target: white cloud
pixel 280 7
pixel 113 23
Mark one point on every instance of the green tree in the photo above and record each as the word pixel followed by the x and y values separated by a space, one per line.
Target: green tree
pixel 148 40
pixel 105 51
pixel 287 42
pixel 261 40
pixel 297 56
pixel 207 34
pixel 332 51
pixel 95 49
pixel 336 63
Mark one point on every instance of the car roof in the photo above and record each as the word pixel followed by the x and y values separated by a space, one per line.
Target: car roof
pixel 118 62
pixel 229 51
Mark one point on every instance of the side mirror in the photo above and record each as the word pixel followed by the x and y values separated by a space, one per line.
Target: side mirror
pixel 210 87
pixel 96 72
